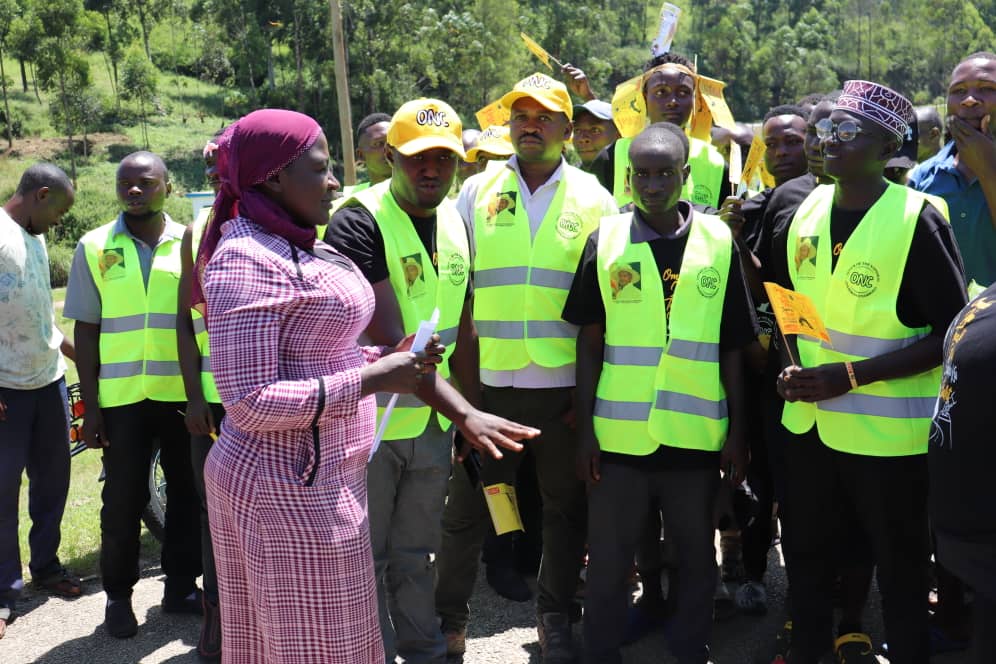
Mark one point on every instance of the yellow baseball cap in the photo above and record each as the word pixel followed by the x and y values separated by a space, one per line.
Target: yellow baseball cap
pixel 424 124
pixel 494 140
pixel 550 93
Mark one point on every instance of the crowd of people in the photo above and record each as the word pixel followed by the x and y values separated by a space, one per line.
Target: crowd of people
pixel 604 348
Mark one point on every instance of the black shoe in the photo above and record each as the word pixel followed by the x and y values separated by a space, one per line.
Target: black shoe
pixel 119 619
pixel 508 583
pixel 183 603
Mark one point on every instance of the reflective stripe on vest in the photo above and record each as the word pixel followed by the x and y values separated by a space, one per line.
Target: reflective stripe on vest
pixel 857 301
pixel 208 387
pixel 138 352
pixel 702 186
pixel 647 395
pixel 521 282
pixel 419 288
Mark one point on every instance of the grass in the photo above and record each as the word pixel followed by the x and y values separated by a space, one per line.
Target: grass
pixel 80 548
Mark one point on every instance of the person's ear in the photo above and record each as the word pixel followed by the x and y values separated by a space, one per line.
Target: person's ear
pixel 272 185
pixel 169 187
pixel 42 194
pixel 686 171
pixel 568 131
pixel 935 133
pixel 890 147
pixel 389 155
pixel 628 179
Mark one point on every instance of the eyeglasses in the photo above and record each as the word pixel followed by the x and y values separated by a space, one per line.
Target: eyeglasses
pixel 844 132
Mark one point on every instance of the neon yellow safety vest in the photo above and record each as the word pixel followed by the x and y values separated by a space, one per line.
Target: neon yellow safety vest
pixel 702 186
pixel 659 389
pixel 521 283
pixel 208 387
pixel 857 302
pixel 138 354
pixel 419 289
pixel 347 193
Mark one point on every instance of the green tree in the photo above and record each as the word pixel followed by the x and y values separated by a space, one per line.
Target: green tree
pixel 9 9
pixel 139 82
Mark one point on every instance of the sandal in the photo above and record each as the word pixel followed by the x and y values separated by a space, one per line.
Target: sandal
pixel 5 614
pixel 61 583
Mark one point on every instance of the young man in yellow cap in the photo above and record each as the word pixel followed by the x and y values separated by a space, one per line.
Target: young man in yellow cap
pixel 669 82
pixel 530 221
pixel 412 246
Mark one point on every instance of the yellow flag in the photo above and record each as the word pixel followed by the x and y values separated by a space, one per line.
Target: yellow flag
pixel 503 507
pixel 493 114
pixel 629 111
pixel 537 50
pixel 795 312
pixel 710 108
pixel 755 160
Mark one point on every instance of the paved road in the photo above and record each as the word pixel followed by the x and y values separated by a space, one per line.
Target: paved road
pixel 56 631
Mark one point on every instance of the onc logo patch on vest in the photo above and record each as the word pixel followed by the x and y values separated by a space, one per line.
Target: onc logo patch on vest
pixel 456 268
pixel 708 281
pixel 569 225
pixel 862 279
pixel 703 195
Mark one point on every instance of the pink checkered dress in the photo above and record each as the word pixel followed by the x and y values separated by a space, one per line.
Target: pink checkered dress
pixel 287 501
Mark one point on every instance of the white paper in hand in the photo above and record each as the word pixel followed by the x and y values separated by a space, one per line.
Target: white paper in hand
pixel 425 331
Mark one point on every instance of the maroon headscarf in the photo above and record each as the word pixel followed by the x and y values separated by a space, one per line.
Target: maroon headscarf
pixel 251 151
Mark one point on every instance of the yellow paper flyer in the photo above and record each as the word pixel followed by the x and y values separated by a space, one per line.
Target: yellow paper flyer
pixel 503 507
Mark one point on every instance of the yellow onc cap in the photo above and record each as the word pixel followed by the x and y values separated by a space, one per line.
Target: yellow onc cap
pixel 494 140
pixel 550 93
pixel 424 124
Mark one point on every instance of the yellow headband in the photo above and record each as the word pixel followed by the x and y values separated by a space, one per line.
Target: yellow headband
pixel 668 66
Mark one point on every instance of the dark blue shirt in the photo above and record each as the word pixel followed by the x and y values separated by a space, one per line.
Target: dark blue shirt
pixel 971 219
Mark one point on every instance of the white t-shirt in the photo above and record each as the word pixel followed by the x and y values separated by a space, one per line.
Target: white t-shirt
pixel 29 339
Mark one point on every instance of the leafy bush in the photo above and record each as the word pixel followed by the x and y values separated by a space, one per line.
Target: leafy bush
pixel 60 260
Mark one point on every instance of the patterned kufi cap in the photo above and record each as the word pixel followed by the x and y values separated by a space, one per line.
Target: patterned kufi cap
pixel 883 106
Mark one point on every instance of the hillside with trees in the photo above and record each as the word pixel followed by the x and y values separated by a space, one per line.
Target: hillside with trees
pixel 166 75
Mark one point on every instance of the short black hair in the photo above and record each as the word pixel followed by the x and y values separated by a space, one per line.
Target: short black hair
pixel 785 109
pixel 145 154
pixel 811 99
pixel 369 121
pixel 663 133
pixel 43 174
pixel 670 57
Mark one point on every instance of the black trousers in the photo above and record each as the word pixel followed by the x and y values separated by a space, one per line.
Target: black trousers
pixel 888 496
pixel 199 448
pixel 133 431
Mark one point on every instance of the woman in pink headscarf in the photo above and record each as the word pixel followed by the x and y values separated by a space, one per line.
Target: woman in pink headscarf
pixel 286 480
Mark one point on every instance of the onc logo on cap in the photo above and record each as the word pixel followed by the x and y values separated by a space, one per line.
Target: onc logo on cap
pixel 537 81
pixel 431 116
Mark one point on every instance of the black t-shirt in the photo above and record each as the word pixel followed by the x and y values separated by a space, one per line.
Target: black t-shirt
pixel 354 232
pixel 603 167
pixel 753 211
pixel 932 290
pixel 584 306
pixel 779 211
pixel 961 453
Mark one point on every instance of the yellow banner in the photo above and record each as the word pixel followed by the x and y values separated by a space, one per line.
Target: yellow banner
pixel 537 50
pixel 710 108
pixel 629 111
pixel 493 114
pixel 503 507
pixel 795 312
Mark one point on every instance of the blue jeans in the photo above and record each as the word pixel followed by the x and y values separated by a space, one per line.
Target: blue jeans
pixel 406 488
pixel 34 437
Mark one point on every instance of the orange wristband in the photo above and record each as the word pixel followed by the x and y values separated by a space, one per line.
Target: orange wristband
pixel 850 375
